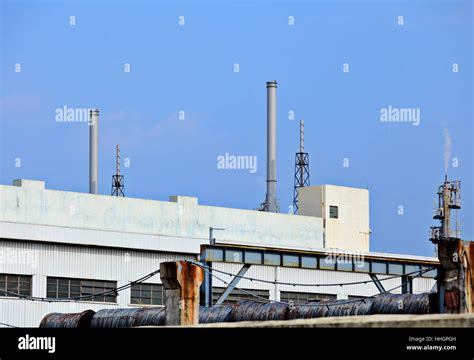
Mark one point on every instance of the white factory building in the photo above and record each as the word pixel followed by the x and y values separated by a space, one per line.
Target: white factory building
pixel 58 244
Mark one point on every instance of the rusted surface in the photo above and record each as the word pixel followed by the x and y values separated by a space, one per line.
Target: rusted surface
pixel 446 254
pixel 469 279
pixel 75 320
pixel 452 299
pixel 190 278
pixel 181 280
pixel 456 275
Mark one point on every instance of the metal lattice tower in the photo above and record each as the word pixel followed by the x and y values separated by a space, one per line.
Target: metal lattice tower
pixel 449 199
pixel 301 169
pixel 117 179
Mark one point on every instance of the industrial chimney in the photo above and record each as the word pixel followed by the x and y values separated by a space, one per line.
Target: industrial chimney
pixel 93 150
pixel 271 200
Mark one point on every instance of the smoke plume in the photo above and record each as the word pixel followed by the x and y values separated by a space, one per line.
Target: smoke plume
pixel 447 149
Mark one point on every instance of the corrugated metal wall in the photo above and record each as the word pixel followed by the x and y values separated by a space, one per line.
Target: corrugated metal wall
pixel 47 259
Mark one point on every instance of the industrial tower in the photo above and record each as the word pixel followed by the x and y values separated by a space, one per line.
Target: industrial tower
pixel 117 179
pixel 454 276
pixel 301 169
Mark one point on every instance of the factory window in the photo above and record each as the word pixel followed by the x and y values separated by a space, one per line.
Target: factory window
pixel 301 298
pixel 344 264
pixel 379 267
pixel 234 256
pixel 291 260
pixel 396 269
pixel 272 259
pixel 89 290
pixel 10 285
pixel 252 257
pixel 147 294
pixel 309 262
pixel 240 295
pixel 215 255
pixel 361 265
pixel 333 212
pixel 409 269
pixel 327 263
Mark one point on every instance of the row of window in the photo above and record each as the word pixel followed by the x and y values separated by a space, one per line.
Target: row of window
pixel 141 294
pixel 328 261
pixel 15 284
pixel 95 290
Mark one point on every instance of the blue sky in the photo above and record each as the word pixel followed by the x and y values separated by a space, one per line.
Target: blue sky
pixel 190 68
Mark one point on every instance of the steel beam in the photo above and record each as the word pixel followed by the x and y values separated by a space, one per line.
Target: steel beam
pixel 377 282
pixel 233 283
pixel 206 287
pixel 407 284
pixel 316 259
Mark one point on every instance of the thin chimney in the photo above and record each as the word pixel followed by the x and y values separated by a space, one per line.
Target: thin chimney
pixel 93 151
pixel 271 200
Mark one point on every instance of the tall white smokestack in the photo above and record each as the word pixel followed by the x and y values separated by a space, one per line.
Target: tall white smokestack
pixel 271 200
pixel 93 151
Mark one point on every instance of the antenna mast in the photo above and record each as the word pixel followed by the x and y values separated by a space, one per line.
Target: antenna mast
pixel 301 169
pixel 117 179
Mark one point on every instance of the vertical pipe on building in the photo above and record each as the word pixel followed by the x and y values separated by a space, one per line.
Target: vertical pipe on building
pixel 446 223
pixel 93 151
pixel 271 201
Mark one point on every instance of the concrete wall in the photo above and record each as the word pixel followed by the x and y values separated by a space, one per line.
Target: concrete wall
pixel 350 230
pixel 171 223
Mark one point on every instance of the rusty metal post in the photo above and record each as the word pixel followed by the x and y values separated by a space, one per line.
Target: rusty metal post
pixel 455 283
pixel 468 263
pixel 181 281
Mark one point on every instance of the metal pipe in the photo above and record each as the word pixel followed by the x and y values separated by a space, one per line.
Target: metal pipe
pixel 446 223
pixel 271 201
pixel 93 151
